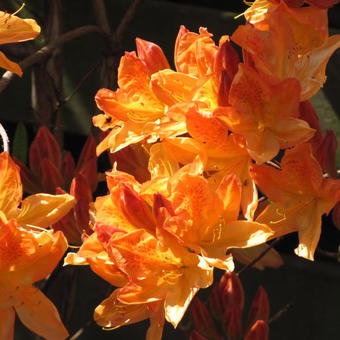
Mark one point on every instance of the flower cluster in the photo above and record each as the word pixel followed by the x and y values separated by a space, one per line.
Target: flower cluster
pixel 216 130
pixel 191 149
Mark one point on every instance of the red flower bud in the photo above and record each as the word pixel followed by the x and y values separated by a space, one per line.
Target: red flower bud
pixel 202 320
pixel 231 290
pixel 50 176
pixel 259 331
pixel 259 309
pixel 68 168
pixel 152 55
pixel 232 322
pixel 44 146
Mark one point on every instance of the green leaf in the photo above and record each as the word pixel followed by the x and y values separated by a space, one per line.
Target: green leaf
pixel 20 143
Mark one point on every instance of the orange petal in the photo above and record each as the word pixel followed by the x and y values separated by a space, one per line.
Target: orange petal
pixel 34 307
pixel 10 185
pixel 172 87
pixel 152 55
pixel 194 53
pixel 7 320
pixel 10 65
pixel 111 313
pixel 43 210
pixel 15 29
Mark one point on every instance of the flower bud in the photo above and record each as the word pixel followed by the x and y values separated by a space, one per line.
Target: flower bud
pixel 259 331
pixel 259 309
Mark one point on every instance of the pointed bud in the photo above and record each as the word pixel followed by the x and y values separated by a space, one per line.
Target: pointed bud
pixel 152 55
pixel 259 331
pixel 88 152
pixel 44 146
pixel 29 180
pixel 227 59
pixel 67 168
pixel 259 309
pixel 232 291
pixel 202 321
pixel 136 209
pixel 232 322
pixel 215 303
pixel 83 195
pixel 194 335
pixel 89 172
pixel 50 176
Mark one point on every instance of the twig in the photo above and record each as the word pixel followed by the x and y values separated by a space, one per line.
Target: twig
pixel 127 18
pixel 45 51
pixel 259 257
pixel 101 16
pixel 282 311
pixel 4 137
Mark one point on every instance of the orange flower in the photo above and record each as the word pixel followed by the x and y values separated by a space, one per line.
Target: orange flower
pixel 15 29
pixel 112 313
pixel 205 220
pixel 300 197
pixel 264 110
pixel 158 270
pixel 26 257
pixel 290 42
pixel 39 210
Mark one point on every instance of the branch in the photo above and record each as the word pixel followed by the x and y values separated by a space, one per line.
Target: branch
pixel 128 17
pixel 101 16
pixel 45 51
pixel 259 257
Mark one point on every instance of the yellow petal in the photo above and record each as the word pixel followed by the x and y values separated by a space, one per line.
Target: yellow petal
pixel 15 29
pixel 43 210
pixel 10 185
pixel 39 314
pixel 9 65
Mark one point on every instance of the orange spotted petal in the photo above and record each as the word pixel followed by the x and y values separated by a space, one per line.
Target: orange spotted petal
pixel 33 306
pixel 10 185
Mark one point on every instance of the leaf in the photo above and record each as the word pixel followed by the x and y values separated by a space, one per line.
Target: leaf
pixel 20 143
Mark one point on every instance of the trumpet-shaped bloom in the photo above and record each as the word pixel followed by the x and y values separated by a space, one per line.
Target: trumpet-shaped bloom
pixel 26 257
pixel 158 270
pixel 205 220
pixel 264 110
pixel 293 44
pixel 15 29
pixel 300 197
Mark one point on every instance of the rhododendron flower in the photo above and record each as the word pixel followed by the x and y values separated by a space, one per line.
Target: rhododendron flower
pixel 300 197
pixel 293 43
pixel 27 256
pixel 14 29
pixel 39 210
pixel 264 110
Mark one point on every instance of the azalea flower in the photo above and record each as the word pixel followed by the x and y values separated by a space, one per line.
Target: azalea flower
pixel 300 196
pixel 39 210
pixel 265 111
pixel 27 256
pixel 15 29
pixel 289 43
